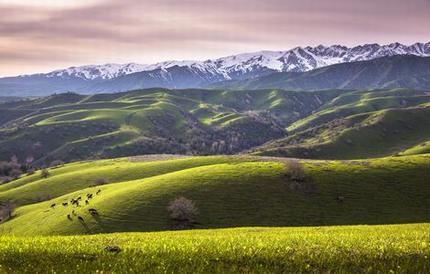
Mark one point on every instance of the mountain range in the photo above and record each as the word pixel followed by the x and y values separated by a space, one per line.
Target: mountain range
pixel 201 74
pixel 400 71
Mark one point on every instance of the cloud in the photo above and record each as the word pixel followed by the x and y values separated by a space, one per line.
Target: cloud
pixel 80 32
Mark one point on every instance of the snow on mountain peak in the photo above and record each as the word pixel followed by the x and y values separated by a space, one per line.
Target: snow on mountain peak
pixel 297 59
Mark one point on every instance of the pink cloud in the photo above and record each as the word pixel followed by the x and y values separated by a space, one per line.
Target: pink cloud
pixel 149 31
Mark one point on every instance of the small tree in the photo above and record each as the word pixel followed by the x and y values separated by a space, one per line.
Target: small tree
pixel 44 173
pixel 15 173
pixel 183 211
pixel 6 211
pixel 295 170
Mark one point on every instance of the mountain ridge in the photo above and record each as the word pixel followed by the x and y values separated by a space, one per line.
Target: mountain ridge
pixel 343 53
pixel 198 74
pixel 400 71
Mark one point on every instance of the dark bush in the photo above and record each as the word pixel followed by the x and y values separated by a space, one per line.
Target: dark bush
pixel 183 212
pixel 44 173
pixel 56 163
pixel 31 171
pixel 6 180
pixel 295 170
pixel 6 211
pixel 100 181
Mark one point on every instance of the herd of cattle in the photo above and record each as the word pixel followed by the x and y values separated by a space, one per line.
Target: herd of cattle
pixel 77 203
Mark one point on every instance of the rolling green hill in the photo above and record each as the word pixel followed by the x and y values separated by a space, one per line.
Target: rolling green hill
pixel 72 127
pixel 328 124
pixel 229 191
pixel 359 125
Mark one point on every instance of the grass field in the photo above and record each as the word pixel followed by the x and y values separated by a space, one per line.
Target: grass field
pixel 343 249
pixel 249 212
pixel 229 191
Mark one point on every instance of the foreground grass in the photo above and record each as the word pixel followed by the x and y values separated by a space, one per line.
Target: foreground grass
pixel 383 249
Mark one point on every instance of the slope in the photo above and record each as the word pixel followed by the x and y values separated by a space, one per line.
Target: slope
pixel 72 127
pixel 371 134
pixel 247 191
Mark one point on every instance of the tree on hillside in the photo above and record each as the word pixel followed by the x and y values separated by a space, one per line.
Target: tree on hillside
pixel 183 212
pixel 295 170
pixel 6 211
pixel 10 170
pixel 44 173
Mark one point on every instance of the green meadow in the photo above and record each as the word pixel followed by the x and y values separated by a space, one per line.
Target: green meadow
pixel 339 249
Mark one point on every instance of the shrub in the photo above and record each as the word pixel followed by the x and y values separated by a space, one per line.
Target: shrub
pixel 15 173
pixel 44 173
pixel 100 181
pixel 295 170
pixel 183 211
pixel 31 171
pixel 56 163
pixel 6 211
pixel 6 180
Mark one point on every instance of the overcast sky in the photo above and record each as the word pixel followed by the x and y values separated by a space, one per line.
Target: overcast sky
pixel 38 36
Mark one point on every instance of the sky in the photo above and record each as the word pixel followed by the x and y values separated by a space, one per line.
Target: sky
pixel 43 35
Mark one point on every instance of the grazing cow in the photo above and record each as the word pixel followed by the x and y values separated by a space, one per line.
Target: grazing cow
pixel 98 192
pixel 81 219
pixel 90 196
pixel 69 217
pixel 73 212
pixel 53 205
pixel 93 211
pixel 72 201
pixel 65 204
pixel 79 198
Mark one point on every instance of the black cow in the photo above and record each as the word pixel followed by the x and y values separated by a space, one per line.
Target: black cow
pixel 93 211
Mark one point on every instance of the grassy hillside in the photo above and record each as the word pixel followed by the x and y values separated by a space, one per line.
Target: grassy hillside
pixel 72 127
pixel 330 124
pixel 228 192
pixel 372 134
pixel 347 249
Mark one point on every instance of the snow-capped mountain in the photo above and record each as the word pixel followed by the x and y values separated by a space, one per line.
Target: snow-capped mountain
pixel 298 60
pixel 195 74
